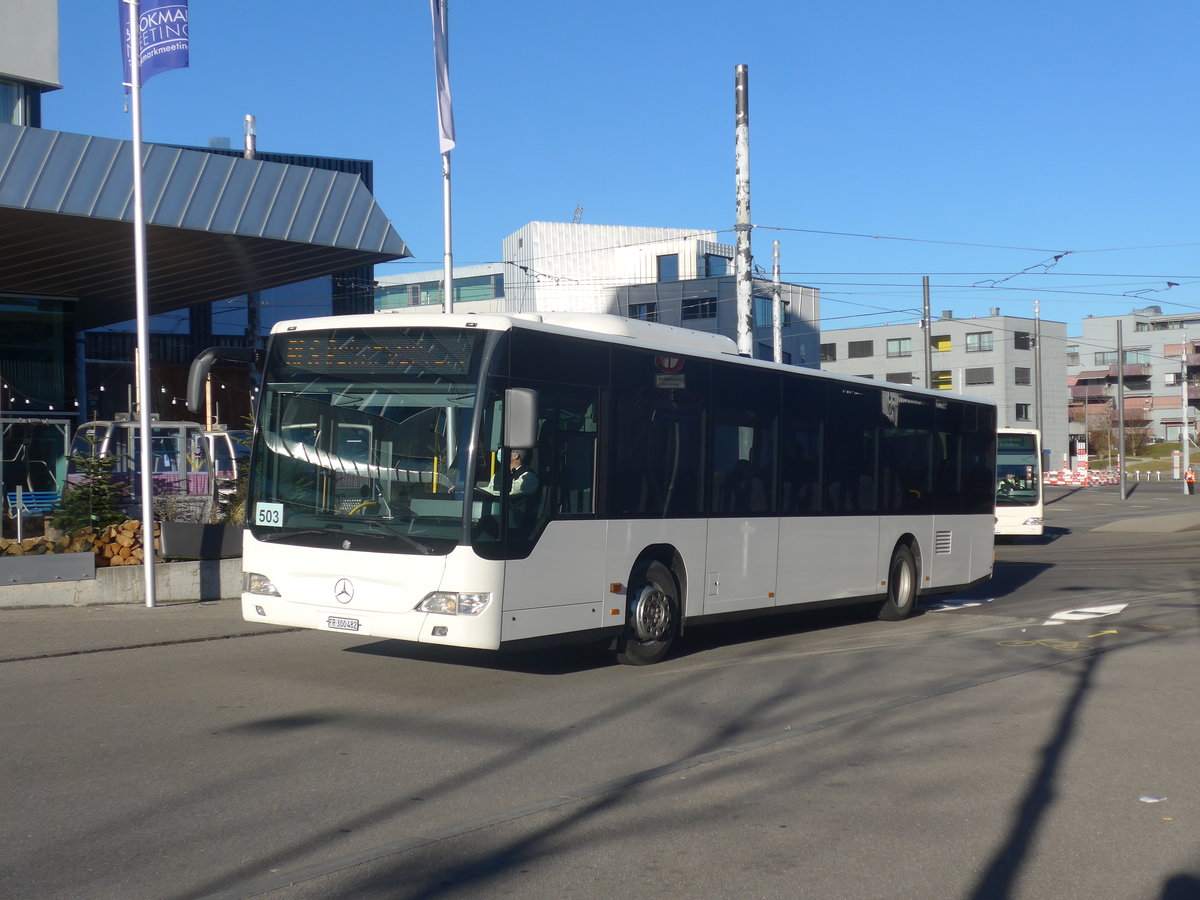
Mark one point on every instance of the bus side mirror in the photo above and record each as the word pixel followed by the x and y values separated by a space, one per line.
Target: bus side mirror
pixel 203 363
pixel 520 418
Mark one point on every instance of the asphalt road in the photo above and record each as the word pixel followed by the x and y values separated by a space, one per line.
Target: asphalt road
pixel 1033 738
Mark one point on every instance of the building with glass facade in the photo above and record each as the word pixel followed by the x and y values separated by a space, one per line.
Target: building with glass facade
pixel 284 236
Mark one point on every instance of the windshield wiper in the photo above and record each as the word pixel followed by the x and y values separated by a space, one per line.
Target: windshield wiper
pixel 302 532
pixel 392 531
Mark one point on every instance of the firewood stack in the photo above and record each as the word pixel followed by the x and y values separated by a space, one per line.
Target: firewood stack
pixel 116 545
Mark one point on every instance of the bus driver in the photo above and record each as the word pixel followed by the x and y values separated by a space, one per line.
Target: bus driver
pixel 523 479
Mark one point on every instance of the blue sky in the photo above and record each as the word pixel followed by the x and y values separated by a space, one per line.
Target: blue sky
pixel 970 142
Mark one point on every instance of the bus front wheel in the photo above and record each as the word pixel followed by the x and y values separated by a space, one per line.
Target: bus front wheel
pixel 652 618
pixel 901 586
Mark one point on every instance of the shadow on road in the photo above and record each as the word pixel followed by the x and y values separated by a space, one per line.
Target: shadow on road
pixel 548 661
pixel 1049 535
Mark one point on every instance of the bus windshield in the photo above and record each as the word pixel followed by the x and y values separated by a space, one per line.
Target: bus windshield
pixel 1018 470
pixel 362 439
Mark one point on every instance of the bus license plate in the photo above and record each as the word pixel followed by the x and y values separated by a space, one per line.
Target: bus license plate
pixel 341 623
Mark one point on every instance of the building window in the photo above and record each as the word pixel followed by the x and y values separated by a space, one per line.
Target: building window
pixel 861 349
pixel 1172 379
pixel 942 381
pixel 699 308
pixel 869 377
pixel 668 267
pixel 983 375
pixel 829 353
pixel 1022 340
pixel 899 377
pixel 764 312
pixel 647 312
pixel 18 104
pixel 714 266
pixel 1072 354
pixel 939 343
pixel 1022 375
pixel 899 347
pixel 1022 412
pixel 1132 357
pixel 979 341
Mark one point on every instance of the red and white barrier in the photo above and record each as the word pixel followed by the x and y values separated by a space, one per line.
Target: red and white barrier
pixel 1086 478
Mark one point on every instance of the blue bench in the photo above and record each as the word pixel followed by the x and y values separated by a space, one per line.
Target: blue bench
pixel 32 503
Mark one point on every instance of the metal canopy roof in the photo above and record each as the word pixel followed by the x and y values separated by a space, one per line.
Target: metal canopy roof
pixel 217 226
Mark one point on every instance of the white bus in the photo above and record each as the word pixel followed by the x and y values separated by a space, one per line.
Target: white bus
pixel 1019 506
pixel 675 482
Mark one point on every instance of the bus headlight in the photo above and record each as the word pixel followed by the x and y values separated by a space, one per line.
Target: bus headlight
pixel 448 603
pixel 253 583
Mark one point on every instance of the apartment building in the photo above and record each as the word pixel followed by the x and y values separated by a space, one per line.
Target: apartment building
pixel 1159 366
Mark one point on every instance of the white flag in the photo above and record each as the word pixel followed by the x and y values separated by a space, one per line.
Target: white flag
pixel 442 67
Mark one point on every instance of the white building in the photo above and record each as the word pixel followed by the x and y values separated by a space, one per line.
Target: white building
pixel 669 275
pixel 994 357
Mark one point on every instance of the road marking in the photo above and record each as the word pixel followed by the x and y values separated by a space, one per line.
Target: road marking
pixel 1102 633
pixel 1064 616
pixel 956 604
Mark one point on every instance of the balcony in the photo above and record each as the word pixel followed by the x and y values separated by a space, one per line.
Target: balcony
pixel 1132 370
pixel 1090 392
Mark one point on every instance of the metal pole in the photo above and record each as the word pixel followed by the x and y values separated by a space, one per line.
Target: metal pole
pixel 776 306
pixel 1120 410
pixel 1037 374
pixel 927 327
pixel 143 319
pixel 250 145
pixel 447 240
pixel 1183 419
pixel 741 157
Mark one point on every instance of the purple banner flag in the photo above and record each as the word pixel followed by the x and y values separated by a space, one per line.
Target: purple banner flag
pixel 162 37
pixel 442 68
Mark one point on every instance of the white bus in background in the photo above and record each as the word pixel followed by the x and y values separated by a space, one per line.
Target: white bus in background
pixel 676 482
pixel 1019 506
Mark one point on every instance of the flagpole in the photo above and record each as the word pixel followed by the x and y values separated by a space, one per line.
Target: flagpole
pixel 143 325
pixel 448 255
pixel 441 60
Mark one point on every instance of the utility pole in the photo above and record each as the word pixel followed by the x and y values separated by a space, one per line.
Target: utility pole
pixel 776 306
pixel 741 156
pixel 1183 429
pixel 1120 410
pixel 1037 374
pixel 927 327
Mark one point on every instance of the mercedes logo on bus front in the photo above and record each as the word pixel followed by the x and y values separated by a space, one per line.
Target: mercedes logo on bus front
pixel 343 591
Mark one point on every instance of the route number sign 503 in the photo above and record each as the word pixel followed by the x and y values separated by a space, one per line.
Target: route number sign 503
pixel 268 515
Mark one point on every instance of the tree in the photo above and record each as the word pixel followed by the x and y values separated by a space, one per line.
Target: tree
pixel 97 499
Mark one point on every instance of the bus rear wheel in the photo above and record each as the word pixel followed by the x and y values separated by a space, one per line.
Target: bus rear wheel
pixel 901 586
pixel 652 618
